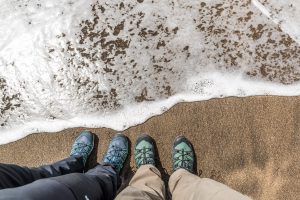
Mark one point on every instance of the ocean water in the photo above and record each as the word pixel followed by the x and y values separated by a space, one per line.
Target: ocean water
pixel 71 63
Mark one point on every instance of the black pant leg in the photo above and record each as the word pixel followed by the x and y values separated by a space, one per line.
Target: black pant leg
pixel 43 189
pixel 99 183
pixel 108 179
pixel 66 166
pixel 15 176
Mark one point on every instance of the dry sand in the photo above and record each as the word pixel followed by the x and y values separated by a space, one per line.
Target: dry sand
pixel 251 144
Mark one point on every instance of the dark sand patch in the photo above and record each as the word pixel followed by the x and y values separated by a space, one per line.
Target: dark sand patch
pixel 251 144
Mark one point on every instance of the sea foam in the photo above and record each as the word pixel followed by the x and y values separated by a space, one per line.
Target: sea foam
pixel 117 63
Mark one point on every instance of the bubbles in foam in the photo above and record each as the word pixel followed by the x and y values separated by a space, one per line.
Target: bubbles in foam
pixel 115 64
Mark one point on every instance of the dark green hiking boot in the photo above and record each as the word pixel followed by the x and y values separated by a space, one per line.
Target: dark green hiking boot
pixel 144 151
pixel 117 152
pixel 183 154
pixel 83 145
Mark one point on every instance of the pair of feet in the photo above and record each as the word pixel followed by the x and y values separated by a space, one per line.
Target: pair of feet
pixel 183 155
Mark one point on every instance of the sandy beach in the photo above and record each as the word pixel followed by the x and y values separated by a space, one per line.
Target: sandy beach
pixel 251 144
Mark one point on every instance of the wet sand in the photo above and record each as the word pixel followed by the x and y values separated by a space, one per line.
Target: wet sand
pixel 251 144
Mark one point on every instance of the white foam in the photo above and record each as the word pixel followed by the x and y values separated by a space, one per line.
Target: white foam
pixel 57 72
pixel 285 13
pixel 213 85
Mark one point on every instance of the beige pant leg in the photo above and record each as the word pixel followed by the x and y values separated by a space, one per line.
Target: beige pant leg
pixel 145 184
pixel 185 185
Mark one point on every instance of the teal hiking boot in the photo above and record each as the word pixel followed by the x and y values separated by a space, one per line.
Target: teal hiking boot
pixel 183 154
pixel 83 145
pixel 144 152
pixel 117 152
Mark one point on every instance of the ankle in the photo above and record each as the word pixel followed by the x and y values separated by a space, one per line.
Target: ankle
pixel 144 152
pixel 83 146
pixel 117 152
pixel 183 155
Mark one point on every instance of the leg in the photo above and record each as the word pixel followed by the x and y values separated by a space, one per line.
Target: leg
pixel 145 183
pixel 15 176
pixel 185 185
pixel 98 183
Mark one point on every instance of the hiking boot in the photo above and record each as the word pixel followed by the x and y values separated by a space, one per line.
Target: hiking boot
pixel 117 152
pixel 144 151
pixel 83 145
pixel 183 154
